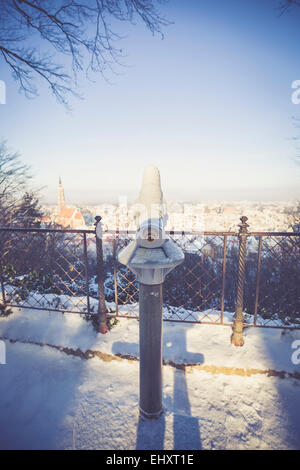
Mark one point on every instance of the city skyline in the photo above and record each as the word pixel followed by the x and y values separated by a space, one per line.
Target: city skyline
pixel 187 216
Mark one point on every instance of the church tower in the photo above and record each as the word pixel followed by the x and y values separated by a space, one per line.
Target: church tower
pixel 61 196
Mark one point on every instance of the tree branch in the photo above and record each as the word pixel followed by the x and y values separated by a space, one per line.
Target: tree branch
pixel 77 29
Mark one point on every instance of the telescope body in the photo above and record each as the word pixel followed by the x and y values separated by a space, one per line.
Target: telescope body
pixel 152 255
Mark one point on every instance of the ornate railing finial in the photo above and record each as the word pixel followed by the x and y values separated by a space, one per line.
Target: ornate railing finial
pixel 243 226
pixel 98 218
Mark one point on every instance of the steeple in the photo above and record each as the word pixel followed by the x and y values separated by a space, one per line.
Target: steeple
pixel 61 196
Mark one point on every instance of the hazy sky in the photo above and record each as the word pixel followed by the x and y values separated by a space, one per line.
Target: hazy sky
pixel 210 105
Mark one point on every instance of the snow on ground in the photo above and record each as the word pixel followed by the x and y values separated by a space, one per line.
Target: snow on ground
pixel 265 348
pixel 53 400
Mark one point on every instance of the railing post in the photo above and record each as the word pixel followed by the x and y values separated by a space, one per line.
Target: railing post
pixel 223 278
pixel 86 270
pixel 1 271
pixel 115 274
pixel 102 310
pixel 257 278
pixel 2 285
pixel 238 324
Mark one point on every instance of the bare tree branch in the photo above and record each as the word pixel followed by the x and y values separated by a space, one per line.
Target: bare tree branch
pixel 286 5
pixel 14 177
pixel 79 31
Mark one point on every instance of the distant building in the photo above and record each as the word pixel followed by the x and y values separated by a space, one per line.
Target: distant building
pixel 230 210
pixel 67 216
pixel 61 196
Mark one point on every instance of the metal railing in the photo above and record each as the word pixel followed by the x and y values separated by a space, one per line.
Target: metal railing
pixel 55 269
pixel 46 269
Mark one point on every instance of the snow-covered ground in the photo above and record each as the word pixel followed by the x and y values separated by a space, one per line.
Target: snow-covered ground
pixel 233 398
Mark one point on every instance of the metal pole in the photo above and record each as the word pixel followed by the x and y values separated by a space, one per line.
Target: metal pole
pixel 223 278
pixel 257 278
pixel 102 310
pixel 150 319
pixel 237 335
pixel 115 275
pixel 1 267
pixel 86 269
pixel 2 285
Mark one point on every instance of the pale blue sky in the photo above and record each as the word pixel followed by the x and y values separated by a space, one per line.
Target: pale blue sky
pixel 210 105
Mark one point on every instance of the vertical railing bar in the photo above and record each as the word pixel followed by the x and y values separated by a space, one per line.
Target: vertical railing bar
pixel 257 278
pixel 116 237
pixel 1 273
pixel 2 284
pixel 115 275
pixel 223 277
pixel 86 273
pixel 117 225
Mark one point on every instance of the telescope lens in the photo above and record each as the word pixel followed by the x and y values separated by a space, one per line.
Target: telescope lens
pixel 150 239
pixel 150 234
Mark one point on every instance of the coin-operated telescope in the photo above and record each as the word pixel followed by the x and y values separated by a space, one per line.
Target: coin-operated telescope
pixel 153 254
pixel 151 257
